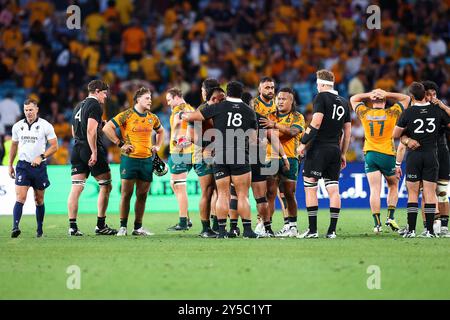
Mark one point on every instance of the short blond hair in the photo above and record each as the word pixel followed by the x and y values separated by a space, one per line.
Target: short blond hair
pixel 325 75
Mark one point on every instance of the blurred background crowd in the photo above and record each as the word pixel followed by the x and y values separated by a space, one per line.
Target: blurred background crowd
pixel 161 44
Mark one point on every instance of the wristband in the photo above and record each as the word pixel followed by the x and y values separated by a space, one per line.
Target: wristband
pixel 307 137
pixel 406 142
pixel 398 164
pixel 42 156
pixel 121 143
pixel 180 115
pixel 284 156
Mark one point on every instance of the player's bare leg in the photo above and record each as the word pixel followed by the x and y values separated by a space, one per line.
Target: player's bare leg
pixel 272 188
pixel 374 179
pixel 283 204
pixel 40 210
pixel 21 197
pixel 443 206
pixel 207 186
pixel 104 182
pixel 412 207
pixel 126 192
pixel 312 207
pixel 142 188
pixel 234 216
pixel 215 226
pixel 242 185
pixel 392 199
pixel 78 182
pixel 430 199
pixel 178 184
pixel 259 190
pixel 289 187
pixel 335 206
pixel 223 204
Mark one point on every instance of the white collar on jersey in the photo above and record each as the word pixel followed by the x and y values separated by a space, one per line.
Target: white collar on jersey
pixel 89 96
pixel 421 104
pixel 234 99
pixel 332 91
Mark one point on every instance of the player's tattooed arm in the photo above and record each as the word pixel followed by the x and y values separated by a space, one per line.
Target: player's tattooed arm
pixel 109 129
pixel 159 139
pixel 278 147
pixel 345 143
pixel 191 116
pixel 92 126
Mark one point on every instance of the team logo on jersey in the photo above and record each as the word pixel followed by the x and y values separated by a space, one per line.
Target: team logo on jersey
pixel 150 121
pixel 21 128
pixel 37 128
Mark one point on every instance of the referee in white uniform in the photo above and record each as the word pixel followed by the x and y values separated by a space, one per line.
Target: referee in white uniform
pixel 30 136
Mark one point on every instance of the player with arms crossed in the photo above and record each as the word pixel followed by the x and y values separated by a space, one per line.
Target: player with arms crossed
pixel 326 155
pixel 89 156
pixel 379 149
pixel 236 125
pixel 136 163
pixel 30 137
pixel 421 122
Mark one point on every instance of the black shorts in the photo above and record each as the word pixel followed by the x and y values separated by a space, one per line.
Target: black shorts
pixel 257 176
pixel 79 159
pixel 323 162
pixel 422 166
pixel 444 162
pixel 226 170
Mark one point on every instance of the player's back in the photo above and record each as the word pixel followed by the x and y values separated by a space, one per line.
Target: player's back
pixel 422 123
pixel 232 119
pixel 336 112
pixel 88 108
pixel 378 126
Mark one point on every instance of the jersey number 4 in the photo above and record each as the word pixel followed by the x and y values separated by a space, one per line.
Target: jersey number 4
pixel 78 115
pixel 430 127
pixel 234 119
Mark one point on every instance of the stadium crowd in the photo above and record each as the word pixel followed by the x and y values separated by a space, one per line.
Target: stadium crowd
pixel 162 44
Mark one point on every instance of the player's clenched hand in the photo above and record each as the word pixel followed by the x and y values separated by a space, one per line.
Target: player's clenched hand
pixel 155 149
pixel 127 148
pixel 301 150
pixel 343 162
pixel 398 173
pixel 413 144
pixel 92 159
pixel 12 173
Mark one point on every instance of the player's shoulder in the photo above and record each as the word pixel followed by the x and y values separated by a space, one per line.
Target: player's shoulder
pixel 91 102
pixel 298 116
pixel 44 122
pixel 18 124
pixel 125 114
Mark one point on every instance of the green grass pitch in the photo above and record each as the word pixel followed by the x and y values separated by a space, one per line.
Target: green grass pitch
pixel 172 265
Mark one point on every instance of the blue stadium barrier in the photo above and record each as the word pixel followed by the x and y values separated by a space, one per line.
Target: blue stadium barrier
pixel 354 189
